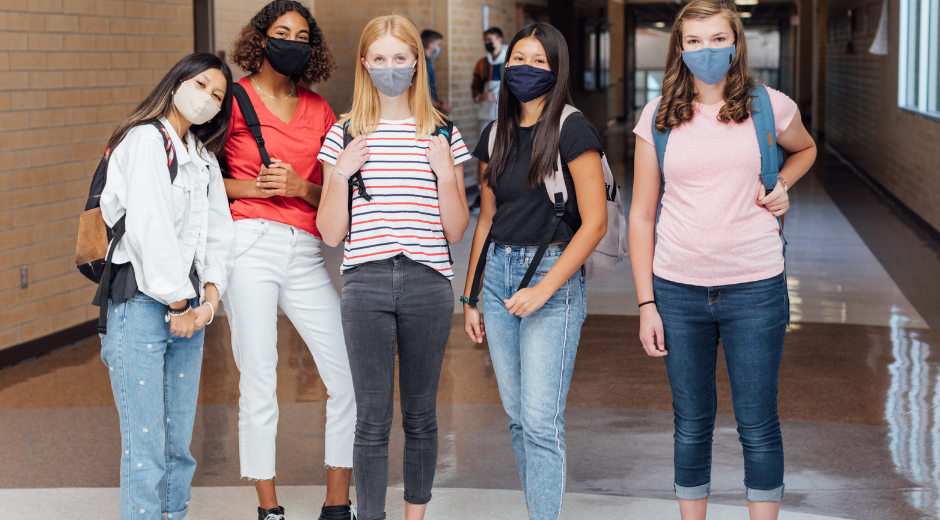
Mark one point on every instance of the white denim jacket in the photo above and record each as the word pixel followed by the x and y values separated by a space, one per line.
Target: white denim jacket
pixel 169 226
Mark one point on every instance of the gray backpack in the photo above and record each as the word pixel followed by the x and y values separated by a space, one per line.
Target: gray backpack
pixel 610 250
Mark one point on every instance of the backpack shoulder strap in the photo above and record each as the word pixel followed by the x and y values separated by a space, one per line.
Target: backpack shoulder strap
pixel 659 141
pixel 251 119
pixel 117 231
pixel 763 113
pixel 555 183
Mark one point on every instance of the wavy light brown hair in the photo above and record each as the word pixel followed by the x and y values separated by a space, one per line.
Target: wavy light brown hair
pixel 248 50
pixel 678 85
pixel 364 114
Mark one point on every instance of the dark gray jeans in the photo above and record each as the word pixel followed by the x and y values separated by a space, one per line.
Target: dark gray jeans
pixel 387 304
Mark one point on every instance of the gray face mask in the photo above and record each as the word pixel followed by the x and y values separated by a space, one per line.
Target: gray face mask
pixel 392 81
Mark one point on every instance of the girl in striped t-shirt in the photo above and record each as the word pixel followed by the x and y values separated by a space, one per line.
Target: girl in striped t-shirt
pixel 405 184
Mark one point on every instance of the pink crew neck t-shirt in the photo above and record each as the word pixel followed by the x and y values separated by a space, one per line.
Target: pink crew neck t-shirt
pixel 711 231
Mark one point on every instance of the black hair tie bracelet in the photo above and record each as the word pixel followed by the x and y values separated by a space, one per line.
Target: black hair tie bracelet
pixel 647 303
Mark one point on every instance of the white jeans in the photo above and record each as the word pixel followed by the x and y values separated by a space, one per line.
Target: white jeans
pixel 280 265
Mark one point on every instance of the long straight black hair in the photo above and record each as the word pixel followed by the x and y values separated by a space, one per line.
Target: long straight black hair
pixel 160 101
pixel 548 134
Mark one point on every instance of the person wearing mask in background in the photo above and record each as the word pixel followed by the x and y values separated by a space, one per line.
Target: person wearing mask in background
pixel 176 253
pixel 278 260
pixel 431 40
pixel 487 75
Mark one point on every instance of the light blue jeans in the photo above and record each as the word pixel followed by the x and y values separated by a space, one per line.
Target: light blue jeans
pixel 533 358
pixel 155 381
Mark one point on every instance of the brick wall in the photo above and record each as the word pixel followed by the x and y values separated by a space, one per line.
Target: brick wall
pixel 899 149
pixel 69 71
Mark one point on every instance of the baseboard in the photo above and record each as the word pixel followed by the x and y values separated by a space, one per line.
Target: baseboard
pixel 886 194
pixel 40 346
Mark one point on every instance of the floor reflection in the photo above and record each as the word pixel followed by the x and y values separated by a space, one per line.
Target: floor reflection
pixel 912 411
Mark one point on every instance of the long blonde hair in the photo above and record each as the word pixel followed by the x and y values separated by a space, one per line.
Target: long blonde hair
pixel 364 114
pixel 678 85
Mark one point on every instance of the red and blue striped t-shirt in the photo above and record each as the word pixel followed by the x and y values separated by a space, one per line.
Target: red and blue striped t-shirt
pixel 403 216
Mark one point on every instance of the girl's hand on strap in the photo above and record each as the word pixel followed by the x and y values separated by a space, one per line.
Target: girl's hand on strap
pixel 440 157
pixel 351 159
pixel 777 201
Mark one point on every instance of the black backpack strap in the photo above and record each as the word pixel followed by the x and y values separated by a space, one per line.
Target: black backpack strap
pixel 546 240
pixel 251 119
pixel 355 181
pixel 478 274
pixel 117 232
pixel 448 130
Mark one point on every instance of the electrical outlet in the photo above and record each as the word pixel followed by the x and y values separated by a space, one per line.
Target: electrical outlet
pixel 24 276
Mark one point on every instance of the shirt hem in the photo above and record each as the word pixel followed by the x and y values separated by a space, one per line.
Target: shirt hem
pixel 720 282
pixel 313 231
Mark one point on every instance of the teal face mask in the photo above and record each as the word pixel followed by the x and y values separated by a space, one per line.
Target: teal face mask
pixel 709 65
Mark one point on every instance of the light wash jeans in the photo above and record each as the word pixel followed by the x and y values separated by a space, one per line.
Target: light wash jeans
pixel 155 380
pixel 533 358
pixel 277 265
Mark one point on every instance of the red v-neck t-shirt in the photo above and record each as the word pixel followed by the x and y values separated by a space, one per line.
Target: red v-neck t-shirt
pixel 296 143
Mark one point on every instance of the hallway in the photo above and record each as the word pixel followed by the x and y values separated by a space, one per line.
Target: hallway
pixel 859 397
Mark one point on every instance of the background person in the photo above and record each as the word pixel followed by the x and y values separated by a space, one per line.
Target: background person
pixel 176 252
pixel 431 40
pixel 397 297
pixel 716 269
pixel 278 262
pixel 487 74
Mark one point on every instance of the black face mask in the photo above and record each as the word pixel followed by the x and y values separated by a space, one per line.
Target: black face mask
pixel 287 57
pixel 490 47
pixel 527 82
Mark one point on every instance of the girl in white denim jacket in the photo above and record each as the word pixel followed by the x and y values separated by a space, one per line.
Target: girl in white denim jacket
pixel 169 271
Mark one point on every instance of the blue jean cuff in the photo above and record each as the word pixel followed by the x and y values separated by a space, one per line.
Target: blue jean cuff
pixel 693 493
pixel 761 495
pixel 176 515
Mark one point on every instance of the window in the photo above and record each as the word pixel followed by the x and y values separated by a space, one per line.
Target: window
pixel 918 57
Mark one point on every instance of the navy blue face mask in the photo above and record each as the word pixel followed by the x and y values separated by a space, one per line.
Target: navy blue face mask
pixel 527 82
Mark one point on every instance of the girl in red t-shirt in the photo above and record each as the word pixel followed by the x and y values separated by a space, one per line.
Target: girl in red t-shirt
pixel 277 246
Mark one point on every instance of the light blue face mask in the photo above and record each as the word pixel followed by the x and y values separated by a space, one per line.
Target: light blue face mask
pixel 709 64
pixel 435 52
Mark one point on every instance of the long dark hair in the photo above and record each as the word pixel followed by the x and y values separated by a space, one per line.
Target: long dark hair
pixel 160 100
pixel 548 134
pixel 248 50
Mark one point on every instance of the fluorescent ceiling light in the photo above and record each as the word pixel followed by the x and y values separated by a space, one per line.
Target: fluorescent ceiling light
pixel 659 24
pixel 745 2
pixel 745 14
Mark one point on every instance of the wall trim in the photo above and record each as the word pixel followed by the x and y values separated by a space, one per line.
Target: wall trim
pixel 879 188
pixel 41 346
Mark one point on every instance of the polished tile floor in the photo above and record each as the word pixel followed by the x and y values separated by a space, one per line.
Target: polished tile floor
pixel 859 399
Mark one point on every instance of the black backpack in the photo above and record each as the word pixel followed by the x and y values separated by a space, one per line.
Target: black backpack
pixel 355 180
pixel 93 255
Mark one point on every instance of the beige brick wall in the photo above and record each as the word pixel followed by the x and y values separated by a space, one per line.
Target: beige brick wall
pixel 863 122
pixel 69 71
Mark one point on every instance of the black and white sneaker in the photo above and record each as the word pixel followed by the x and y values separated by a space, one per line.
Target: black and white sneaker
pixel 271 514
pixel 338 512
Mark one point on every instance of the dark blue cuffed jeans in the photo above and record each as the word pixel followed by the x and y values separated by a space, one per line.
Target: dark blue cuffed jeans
pixel 750 319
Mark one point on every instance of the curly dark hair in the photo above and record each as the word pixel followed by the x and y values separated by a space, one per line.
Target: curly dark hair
pixel 248 50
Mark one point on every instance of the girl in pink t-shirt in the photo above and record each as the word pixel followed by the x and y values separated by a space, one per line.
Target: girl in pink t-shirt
pixel 712 267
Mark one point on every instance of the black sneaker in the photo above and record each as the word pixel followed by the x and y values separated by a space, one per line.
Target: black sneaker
pixel 338 512
pixel 271 514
